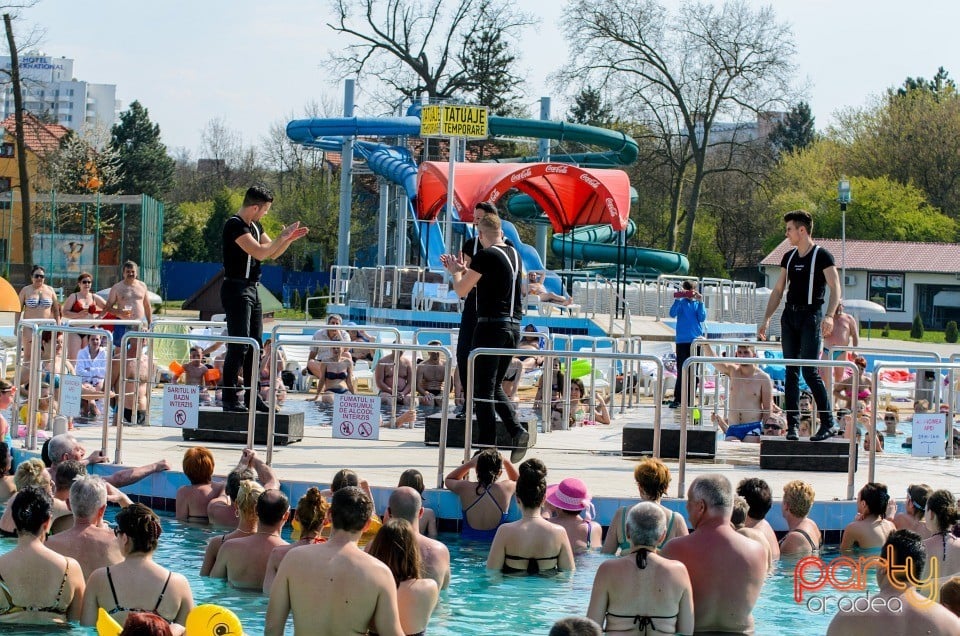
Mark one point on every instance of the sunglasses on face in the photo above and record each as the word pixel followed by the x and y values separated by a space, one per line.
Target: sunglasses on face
pixel 86 282
pixel 39 276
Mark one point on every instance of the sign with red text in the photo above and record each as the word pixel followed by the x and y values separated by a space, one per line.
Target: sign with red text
pixel 929 434
pixel 181 403
pixel 356 416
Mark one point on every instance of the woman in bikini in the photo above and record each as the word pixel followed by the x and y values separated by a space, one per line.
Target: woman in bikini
pixel 569 498
pixel 280 389
pixel 137 584
pixel 38 302
pixel 246 502
pixel 484 502
pixel 915 507
pixel 192 500
pixel 580 410
pixel 869 530
pixel 396 546
pixel 530 343
pixel 653 479
pixel 82 304
pixel 803 535
pixel 37 585
pixel 531 545
pixel 642 592
pixel 336 376
pixel 941 516
pixel 307 522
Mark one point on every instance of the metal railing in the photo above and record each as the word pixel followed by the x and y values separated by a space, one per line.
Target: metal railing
pixel 548 355
pixel 685 408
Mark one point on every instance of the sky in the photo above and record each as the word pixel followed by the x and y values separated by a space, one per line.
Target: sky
pixel 252 64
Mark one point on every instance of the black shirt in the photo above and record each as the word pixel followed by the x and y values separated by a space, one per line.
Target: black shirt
pixel 236 262
pixel 798 276
pixel 470 248
pixel 495 289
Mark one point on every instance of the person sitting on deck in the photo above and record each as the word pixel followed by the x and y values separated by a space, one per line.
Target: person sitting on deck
pixel 749 396
pixel 430 380
pixel 394 377
pixel 335 375
pixel 534 287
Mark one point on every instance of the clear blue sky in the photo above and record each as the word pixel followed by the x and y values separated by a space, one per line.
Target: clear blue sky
pixel 256 63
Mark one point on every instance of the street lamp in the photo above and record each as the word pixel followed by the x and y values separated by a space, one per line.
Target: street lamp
pixel 843 196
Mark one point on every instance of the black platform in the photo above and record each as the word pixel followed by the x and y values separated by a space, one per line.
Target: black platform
pixel 829 456
pixel 213 425
pixel 638 440
pixel 455 425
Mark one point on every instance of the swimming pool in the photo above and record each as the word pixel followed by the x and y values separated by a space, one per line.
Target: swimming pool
pixel 477 602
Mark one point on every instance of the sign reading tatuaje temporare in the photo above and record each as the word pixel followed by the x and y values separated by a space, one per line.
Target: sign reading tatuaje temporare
pixel 454 120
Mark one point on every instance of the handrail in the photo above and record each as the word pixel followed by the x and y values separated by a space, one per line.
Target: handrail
pixel 627 314
pixel 549 354
pixel 917 353
pixel 685 400
pixel 36 375
pixel 149 335
pixel 31 324
pixel 881 364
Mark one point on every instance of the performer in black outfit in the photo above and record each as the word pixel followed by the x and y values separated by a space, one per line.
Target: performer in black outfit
pixel 808 270
pixel 468 318
pixel 496 273
pixel 245 245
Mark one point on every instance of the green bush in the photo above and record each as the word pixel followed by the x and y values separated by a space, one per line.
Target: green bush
pixel 951 333
pixel 916 331
pixel 886 331
pixel 318 309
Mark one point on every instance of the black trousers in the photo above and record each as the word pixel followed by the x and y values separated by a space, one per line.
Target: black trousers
pixel 489 398
pixel 800 338
pixel 468 324
pixel 244 318
pixel 683 352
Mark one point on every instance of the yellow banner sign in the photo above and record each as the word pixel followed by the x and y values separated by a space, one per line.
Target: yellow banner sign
pixel 454 121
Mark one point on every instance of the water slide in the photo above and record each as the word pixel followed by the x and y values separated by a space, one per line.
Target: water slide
pixel 582 244
pixel 396 165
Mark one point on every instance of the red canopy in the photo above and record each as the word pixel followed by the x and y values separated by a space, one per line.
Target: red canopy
pixel 569 195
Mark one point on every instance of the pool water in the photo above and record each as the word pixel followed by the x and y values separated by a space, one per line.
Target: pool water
pixel 478 601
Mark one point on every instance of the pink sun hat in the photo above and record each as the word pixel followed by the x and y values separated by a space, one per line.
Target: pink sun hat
pixel 570 494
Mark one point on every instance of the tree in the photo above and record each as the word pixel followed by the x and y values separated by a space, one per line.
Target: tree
pixel 911 136
pixel 795 131
pixel 589 108
pixel 145 166
pixel 490 60
pixel 77 167
pixel 225 204
pixel 419 47
pixel 682 74
pixel 26 209
pixel 941 84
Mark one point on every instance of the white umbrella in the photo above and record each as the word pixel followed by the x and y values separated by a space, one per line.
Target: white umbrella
pixel 857 307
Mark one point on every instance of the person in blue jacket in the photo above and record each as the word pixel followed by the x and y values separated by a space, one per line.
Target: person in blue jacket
pixel 690 313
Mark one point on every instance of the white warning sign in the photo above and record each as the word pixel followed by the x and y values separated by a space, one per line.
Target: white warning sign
pixel 181 402
pixel 70 387
pixel 356 416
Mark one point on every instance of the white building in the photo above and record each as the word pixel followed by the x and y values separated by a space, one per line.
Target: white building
pixel 50 89
pixel 906 279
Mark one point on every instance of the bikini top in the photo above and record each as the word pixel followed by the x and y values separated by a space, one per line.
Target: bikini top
pixel 503 513
pixel 644 621
pixel 803 533
pixel 117 608
pixel 38 301
pixel 533 564
pixel 12 608
pixel 333 375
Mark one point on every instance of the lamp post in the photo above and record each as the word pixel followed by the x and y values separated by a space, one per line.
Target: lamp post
pixel 843 196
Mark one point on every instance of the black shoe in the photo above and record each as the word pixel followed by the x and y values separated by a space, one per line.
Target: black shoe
pixel 673 405
pixel 826 431
pixel 234 407
pixel 792 434
pixel 461 412
pixel 520 442
pixel 262 407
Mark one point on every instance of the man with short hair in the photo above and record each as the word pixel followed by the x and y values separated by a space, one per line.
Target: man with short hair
pixel 335 588
pixel 245 245
pixel 749 396
pixel 405 503
pixel 243 561
pixel 65 446
pixel 844 334
pixel 495 272
pixel 130 300
pixel 807 271
pixel 89 541
pixel 727 570
pixel 759 501
pixel 897 609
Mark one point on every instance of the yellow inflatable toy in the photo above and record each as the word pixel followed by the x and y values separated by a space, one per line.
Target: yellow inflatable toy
pixel 203 620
